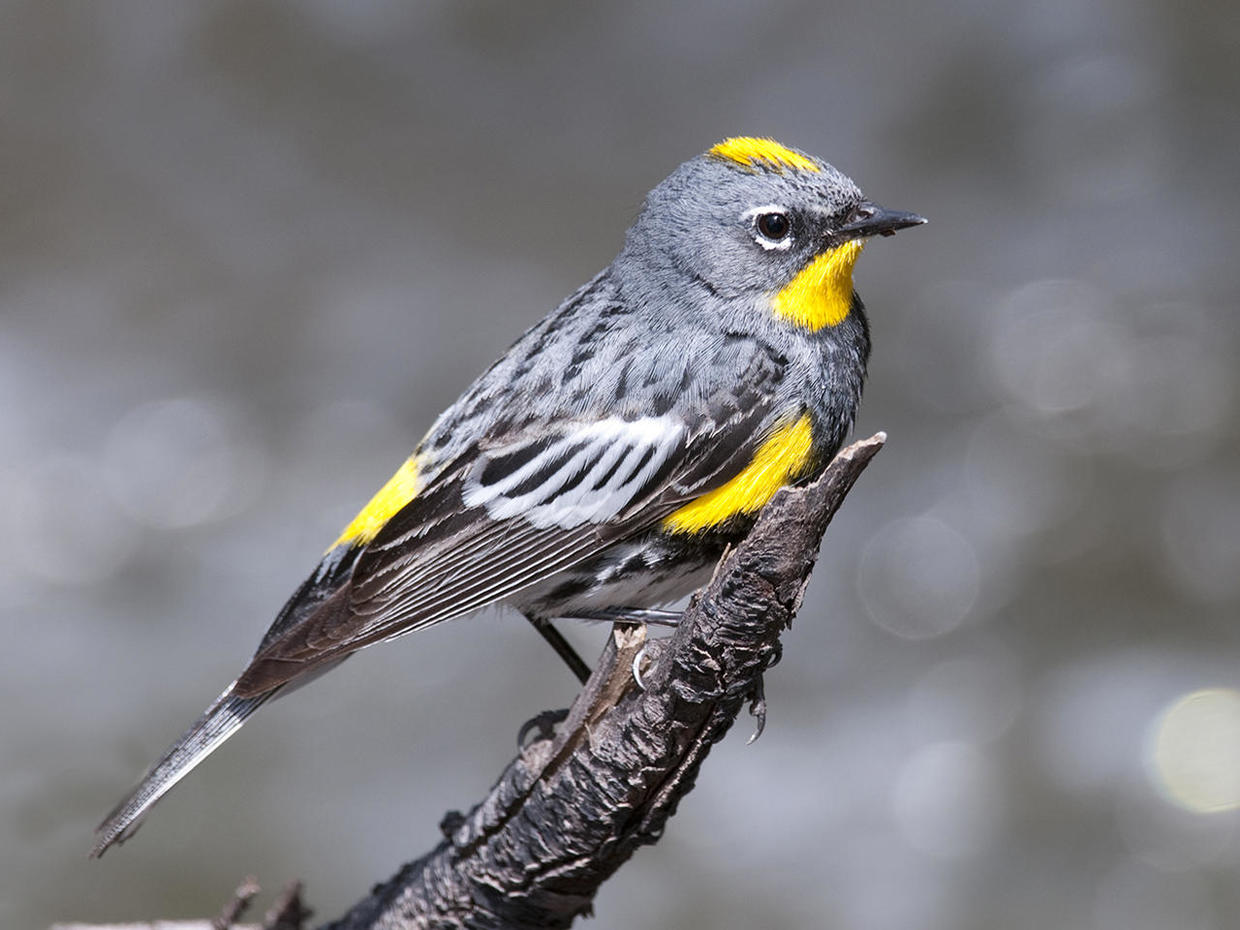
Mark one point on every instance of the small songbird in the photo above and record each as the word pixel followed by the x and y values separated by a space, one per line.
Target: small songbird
pixel 599 469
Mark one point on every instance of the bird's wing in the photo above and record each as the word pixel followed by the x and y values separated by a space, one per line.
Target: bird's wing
pixel 506 517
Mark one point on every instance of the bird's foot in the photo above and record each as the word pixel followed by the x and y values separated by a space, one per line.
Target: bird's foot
pixel 544 723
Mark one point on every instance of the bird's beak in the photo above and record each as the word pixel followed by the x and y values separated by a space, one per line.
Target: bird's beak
pixel 869 219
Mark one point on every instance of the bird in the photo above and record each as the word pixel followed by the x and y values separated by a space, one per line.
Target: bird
pixel 600 468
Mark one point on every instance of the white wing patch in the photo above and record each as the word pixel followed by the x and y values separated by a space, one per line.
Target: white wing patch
pixel 586 474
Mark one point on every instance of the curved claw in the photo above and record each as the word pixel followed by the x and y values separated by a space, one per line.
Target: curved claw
pixel 637 668
pixel 544 723
pixel 757 710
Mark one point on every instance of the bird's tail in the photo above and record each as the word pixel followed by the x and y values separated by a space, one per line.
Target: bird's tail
pixel 218 722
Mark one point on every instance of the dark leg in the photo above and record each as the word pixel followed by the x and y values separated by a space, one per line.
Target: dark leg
pixel 630 615
pixel 562 648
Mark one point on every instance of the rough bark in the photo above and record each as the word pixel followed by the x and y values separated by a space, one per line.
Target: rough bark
pixel 578 801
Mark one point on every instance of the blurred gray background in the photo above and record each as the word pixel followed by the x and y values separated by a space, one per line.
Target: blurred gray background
pixel 249 250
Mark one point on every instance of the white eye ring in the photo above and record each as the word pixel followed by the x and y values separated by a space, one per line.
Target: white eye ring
pixel 777 245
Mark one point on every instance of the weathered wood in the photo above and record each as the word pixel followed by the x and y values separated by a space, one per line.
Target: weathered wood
pixel 571 809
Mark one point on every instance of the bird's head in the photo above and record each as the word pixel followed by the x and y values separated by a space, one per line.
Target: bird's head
pixel 754 218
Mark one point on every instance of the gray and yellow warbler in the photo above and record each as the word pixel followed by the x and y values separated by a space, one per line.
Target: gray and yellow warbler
pixel 601 466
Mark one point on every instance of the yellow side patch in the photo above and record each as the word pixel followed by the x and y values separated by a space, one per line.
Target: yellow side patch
pixel 751 152
pixel 821 293
pixel 401 488
pixel 783 457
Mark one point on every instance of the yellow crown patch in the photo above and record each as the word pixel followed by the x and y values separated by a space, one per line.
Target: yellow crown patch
pixel 752 153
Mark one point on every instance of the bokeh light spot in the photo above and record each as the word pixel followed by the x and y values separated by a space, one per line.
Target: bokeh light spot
pixel 918 578
pixel 947 800
pixel 1201 535
pixel 973 698
pixel 1194 751
pixel 63 528
pixel 181 462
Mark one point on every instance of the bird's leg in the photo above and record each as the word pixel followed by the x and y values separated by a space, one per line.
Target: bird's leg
pixel 627 615
pixel 630 615
pixel 562 647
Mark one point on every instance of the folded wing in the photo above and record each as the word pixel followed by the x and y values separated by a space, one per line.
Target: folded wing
pixel 507 517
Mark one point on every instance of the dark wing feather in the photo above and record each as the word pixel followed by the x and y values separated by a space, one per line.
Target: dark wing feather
pixel 441 556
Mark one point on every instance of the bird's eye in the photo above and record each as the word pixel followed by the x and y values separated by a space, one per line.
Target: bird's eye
pixel 773 226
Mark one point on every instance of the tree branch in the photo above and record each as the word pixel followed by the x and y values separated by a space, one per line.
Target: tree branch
pixel 578 801
pixel 572 808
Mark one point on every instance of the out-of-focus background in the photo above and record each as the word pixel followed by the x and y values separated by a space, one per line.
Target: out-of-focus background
pixel 249 250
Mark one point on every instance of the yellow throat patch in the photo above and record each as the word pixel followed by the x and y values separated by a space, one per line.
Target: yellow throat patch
pixel 785 456
pixel 752 153
pixel 400 489
pixel 821 293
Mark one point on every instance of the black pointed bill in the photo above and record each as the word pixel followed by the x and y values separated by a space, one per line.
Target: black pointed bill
pixel 869 219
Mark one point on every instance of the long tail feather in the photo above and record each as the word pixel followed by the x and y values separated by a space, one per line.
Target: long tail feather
pixel 218 722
